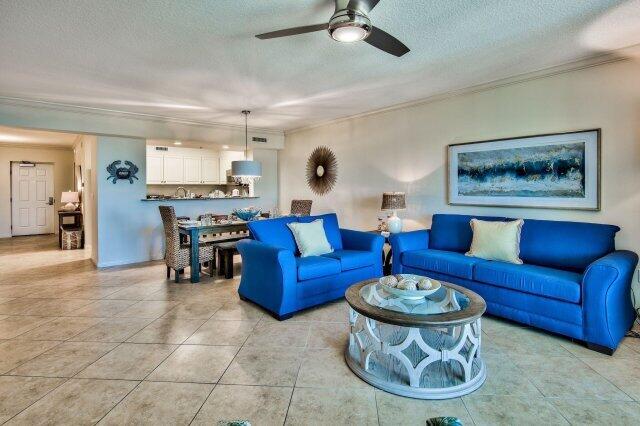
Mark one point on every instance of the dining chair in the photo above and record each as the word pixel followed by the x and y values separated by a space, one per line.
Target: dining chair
pixel 177 255
pixel 301 207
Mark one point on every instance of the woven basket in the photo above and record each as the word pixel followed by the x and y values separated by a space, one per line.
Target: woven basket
pixel 71 239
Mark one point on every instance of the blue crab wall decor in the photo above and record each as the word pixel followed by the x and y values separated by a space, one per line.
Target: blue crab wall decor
pixel 125 173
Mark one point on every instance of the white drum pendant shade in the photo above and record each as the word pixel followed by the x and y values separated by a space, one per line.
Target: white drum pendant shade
pixel 246 168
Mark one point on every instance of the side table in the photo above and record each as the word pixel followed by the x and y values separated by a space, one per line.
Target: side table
pixel 386 258
pixel 76 225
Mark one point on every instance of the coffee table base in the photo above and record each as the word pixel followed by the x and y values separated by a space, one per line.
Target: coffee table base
pixel 424 363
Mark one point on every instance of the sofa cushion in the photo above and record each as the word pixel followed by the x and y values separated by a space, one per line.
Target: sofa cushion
pixel 444 262
pixel 274 232
pixel 311 238
pixel 331 228
pixel 353 259
pixel 452 232
pixel 533 279
pixel 316 267
pixel 565 245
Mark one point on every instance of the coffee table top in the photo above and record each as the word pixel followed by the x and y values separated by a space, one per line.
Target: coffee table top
pixel 451 305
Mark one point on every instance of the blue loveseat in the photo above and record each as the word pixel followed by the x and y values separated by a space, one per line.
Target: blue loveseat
pixel 573 280
pixel 275 277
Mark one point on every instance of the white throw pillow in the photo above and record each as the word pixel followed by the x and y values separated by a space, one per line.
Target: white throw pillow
pixel 496 240
pixel 310 238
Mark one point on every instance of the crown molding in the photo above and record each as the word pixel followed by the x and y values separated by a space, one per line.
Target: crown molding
pixel 581 64
pixel 62 107
pixel 22 145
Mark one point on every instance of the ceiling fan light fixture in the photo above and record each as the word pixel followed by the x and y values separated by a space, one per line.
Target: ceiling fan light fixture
pixel 348 26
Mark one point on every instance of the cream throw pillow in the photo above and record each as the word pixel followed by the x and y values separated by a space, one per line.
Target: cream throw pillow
pixel 496 240
pixel 310 238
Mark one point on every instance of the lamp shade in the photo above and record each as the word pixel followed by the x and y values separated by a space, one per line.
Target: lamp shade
pixel 69 197
pixel 246 168
pixel 393 201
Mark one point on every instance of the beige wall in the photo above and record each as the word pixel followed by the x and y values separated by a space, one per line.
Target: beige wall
pixel 62 160
pixel 405 149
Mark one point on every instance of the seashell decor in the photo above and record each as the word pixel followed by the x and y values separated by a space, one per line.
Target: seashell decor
pixel 408 284
pixel 424 284
pixel 389 281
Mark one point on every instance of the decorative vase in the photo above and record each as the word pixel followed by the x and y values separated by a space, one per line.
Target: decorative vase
pixel 394 223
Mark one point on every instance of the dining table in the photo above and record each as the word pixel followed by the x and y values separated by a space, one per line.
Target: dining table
pixel 195 229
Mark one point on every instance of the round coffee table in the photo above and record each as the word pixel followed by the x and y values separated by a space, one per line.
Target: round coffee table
pixel 427 349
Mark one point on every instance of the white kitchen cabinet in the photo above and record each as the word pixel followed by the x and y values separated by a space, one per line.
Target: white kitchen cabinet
pixel 155 169
pixel 192 170
pixel 210 170
pixel 226 157
pixel 173 168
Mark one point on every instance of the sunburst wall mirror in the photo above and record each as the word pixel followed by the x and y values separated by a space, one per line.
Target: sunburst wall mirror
pixel 322 170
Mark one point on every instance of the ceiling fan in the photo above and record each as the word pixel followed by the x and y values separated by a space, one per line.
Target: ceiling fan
pixel 349 23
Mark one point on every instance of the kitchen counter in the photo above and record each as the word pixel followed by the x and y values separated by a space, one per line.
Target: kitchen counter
pixel 197 199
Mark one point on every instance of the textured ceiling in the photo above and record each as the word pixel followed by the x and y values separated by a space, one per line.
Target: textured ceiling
pixel 198 60
pixel 12 135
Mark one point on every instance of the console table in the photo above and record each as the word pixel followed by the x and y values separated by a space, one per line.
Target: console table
pixel 76 225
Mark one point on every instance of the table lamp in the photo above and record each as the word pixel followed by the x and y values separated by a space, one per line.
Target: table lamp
pixel 72 199
pixel 393 201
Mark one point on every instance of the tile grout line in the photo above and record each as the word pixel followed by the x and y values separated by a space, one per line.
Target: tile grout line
pixel 39 399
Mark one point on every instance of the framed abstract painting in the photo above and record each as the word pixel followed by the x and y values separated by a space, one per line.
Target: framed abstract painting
pixel 556 171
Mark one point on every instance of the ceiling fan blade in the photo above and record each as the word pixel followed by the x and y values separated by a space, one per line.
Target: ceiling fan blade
pixel 293 31
pixel 364 5
pixel 385 41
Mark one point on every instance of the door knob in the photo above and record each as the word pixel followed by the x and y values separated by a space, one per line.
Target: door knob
pixel 50 201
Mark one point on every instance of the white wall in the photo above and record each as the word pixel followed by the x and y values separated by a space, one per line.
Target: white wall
pixel 405 149
pixel 62 160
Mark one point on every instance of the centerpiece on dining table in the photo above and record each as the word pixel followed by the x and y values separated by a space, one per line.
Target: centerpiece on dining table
pixel 247 213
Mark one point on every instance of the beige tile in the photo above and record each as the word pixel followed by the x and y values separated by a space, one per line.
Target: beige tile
pixel 590 412
pixel 398 410
pixel 260 405
pixel 61 328
pixel 63 360
pixel 194 363
pixel 5 299
pixel 17 393
pixel 509 410
pixel 194 310
pixel 239 311
pixel 620 372
pixel 332 407
pixel 332 312
pixel 567 377
pixel 167 330
pixel 113 330
pixel 624 351
pixel 135 292
pixel 92 293
pixel 17 325
pixel 525 341
pixel 77 402
pixel 324 335
pixel 214 332
pixel 102 308
pixel 156 403
pixel 505 378
pixel 15 352
pixel 129 361
pixel 264 366
pixel 56 307
pixel 326 368
pixel 147 309
pixel 280 334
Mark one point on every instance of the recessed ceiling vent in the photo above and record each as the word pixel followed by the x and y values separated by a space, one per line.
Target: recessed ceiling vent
pixel 259 140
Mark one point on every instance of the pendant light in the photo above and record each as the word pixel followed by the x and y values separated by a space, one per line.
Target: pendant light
pixel 246 171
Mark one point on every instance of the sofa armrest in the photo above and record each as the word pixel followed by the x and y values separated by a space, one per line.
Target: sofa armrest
pixel 269 275
pixel 606 298
pixel 407 241
pixel 360 240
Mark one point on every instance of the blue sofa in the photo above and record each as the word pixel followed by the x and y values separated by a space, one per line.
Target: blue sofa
pixel 573 281
pixel 275 277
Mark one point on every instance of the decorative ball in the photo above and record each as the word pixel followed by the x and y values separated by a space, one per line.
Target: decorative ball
pixel 389 281
pixel 408 284
pixel 424 284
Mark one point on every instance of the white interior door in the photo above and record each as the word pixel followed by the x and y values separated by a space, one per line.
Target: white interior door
pixel 32 199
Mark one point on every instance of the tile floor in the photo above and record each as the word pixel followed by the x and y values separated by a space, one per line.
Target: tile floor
pixel 120 346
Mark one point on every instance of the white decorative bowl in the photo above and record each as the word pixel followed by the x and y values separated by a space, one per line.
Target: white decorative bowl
pixel 411 294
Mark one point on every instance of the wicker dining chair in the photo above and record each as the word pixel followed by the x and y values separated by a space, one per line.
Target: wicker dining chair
pixel 178 256
pixel 301 207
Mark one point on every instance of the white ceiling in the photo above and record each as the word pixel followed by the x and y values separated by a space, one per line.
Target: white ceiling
pixel 198 60
pixel 12 135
